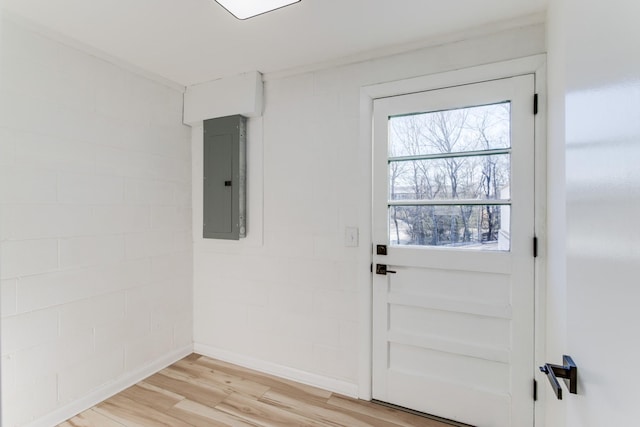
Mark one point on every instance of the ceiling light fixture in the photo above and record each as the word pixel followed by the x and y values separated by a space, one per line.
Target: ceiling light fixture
pixel 243 9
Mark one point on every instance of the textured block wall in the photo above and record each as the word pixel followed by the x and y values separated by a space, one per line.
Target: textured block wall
pixel 95 224
pixel 290 300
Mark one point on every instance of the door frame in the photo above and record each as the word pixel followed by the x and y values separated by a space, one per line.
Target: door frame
pixel 535 65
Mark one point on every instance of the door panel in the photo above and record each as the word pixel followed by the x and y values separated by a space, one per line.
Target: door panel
pixel 453 201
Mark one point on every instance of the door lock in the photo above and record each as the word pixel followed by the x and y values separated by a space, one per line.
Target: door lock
pixel 382 269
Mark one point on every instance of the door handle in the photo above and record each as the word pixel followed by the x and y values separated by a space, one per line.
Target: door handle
pixel 569 371
pixel 382 269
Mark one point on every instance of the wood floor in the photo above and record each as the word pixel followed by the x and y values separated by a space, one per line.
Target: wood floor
pixel 199 391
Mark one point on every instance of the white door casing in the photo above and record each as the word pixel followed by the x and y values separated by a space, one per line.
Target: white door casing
pixel 453 330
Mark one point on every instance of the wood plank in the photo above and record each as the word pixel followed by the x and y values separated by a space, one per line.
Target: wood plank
pixel 265 415
pixel 323 412
pixel 384 413
pixel 151 398
pixel 222 380
pixel 208 381
pixel 133 414
pixel 276 383
pixel 145 385
pixel 192 357
pixel 204 416
pixel 200 393
pixel 91 418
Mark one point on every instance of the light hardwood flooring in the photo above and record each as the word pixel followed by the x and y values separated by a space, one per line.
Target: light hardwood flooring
pixel 199 391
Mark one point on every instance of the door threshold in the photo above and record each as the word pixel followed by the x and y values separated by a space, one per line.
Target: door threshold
pixel 421 414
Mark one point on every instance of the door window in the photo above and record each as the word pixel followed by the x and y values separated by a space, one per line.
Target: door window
pixel 449 178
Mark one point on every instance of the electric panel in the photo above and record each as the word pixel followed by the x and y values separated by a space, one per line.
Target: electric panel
pixel 224 178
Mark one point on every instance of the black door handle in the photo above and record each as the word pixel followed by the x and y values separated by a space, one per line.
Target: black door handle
pixel 569 372
pixel 382 269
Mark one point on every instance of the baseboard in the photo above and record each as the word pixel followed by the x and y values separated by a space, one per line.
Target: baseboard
pixel 70 410
pixel 315 380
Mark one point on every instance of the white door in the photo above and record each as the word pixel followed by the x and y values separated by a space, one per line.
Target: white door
pixel 453 201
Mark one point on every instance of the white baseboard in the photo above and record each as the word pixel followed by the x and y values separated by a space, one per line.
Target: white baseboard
pixel 70 410
pixel 326 383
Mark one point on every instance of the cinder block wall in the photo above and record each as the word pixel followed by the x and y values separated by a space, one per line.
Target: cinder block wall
pixel 95 226
pixel 289 301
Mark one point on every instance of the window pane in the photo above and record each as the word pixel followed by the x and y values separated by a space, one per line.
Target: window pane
pixel 485 127
pixel 471 178
pixel 477 227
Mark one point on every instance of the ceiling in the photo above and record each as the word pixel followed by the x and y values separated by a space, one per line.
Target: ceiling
pixel 192 41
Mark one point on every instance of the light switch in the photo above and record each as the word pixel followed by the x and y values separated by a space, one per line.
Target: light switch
pixel 351 237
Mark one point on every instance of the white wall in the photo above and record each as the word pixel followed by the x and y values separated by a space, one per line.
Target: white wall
pixel 289 299
pixel 95 227
pixel 555 244
pixel 597 69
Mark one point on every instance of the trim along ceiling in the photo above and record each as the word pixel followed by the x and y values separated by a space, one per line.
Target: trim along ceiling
pixel 192 41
